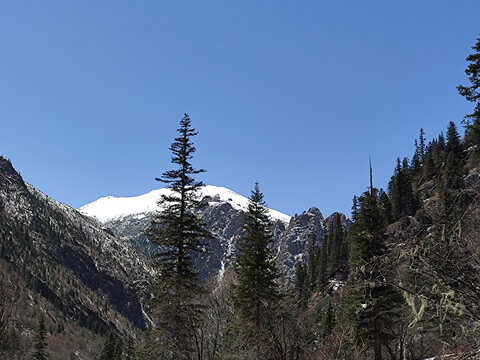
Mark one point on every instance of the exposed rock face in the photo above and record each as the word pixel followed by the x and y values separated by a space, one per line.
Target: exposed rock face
pixel 294 243
pixel 346 222
pixel 88 274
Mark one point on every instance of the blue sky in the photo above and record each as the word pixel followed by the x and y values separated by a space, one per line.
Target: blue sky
pixel 294 94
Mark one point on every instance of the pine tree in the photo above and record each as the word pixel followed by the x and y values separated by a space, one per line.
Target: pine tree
pixel 322 265
pixel 453 200
pixel 312 262
pixel 300 275
pixel 325 320
pixel 472 94
pixel 369 306
pixel 110 347
pixel 40 340
pixel 453 141
pixel 257 290
pixel 354 208
pixel 386 206
pixel 416 162
pixel 401 191
pixel 181 237
pixel 421 146
pixel 418 158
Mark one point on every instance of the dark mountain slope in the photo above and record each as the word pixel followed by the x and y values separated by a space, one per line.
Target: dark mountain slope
pixel 87 275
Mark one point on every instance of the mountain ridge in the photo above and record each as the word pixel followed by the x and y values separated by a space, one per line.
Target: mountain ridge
pixel 108 208
pixel 223 212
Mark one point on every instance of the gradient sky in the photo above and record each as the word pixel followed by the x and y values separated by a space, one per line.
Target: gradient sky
pixel 294 94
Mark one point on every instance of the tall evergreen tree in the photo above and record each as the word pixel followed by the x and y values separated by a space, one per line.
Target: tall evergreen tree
pixel 369 305
pixel 354 208
pixel 40 340
pixel 421 145
pixel 300 275
pixel 386 205
pixel 110 347
pixel 181 237
pixel 401 191
pixel 416 162
pixel 420 150
pixel 472 94
pixel 311 278
pixel 325 321
pixel 257 290
pixel 453 141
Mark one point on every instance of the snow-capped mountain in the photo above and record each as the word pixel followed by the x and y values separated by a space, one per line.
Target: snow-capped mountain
pixel 223 211
pixel 111 208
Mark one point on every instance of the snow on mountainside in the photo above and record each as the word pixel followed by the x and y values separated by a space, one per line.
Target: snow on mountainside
pixel 109 208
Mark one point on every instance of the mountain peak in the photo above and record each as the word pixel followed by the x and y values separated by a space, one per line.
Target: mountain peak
pixel 110 207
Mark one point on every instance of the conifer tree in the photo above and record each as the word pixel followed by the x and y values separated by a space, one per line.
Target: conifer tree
pixel 300 275
pixel 257 290
pixel 401 191
pixel 354 208
pixel 311 278
pixel 322 265
pixel 337 245
pixel 40 340
pixel 326 321
pixel 421 146
pixel 110 347
pixel 181 237
pixel 472 94
pixel 386 206
pixel 416 163
pixel 453 141
pixel 453 200
pixel 369 306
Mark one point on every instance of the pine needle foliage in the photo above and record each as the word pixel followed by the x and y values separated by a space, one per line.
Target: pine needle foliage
pixel 182 238
pixel 472 94
pixel 111 347
pixel 257 289
pixel 40 340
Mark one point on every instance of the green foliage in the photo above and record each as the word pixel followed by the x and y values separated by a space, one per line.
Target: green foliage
pixel 177 229
pixel 300 286
pixel 337 245
pixel 40 340
pixel 354 208
pixel 181 237
pixel 325 320
pixel 472 94
pixel 369 307
pixel 453 199
pixel 401 191
pixel 257 290
pixel 367 234
pixel 111 347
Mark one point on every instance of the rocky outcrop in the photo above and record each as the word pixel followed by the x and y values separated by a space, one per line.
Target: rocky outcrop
pixel 294 243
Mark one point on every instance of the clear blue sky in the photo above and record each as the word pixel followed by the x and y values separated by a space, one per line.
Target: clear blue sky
pixel 294 94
